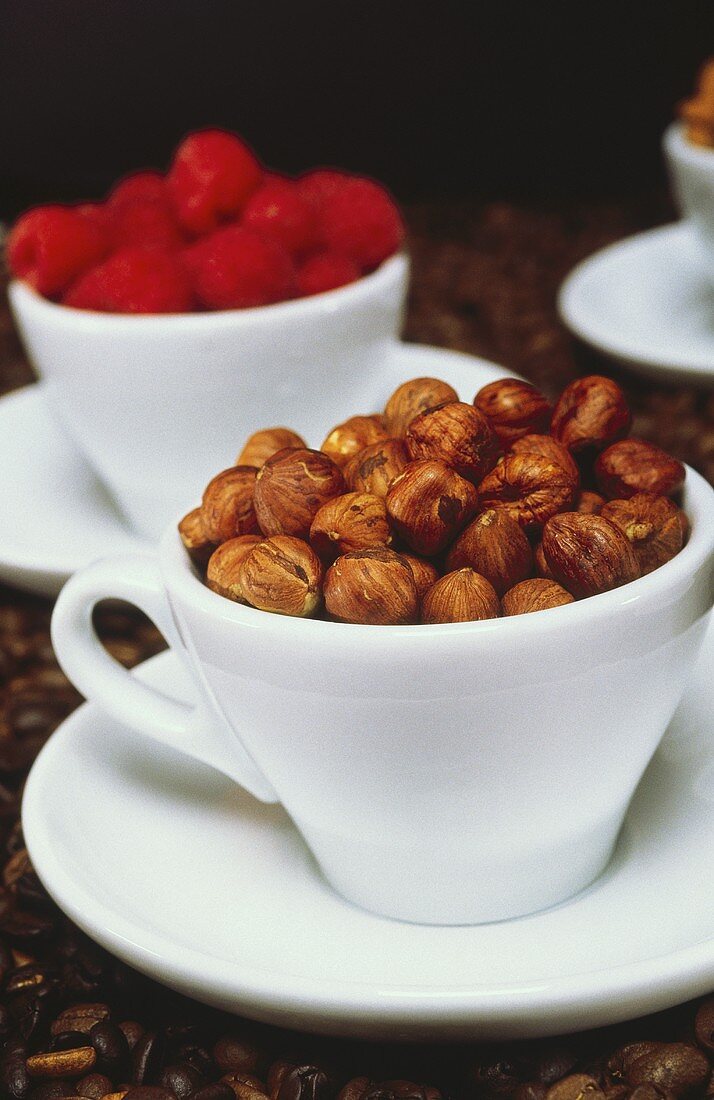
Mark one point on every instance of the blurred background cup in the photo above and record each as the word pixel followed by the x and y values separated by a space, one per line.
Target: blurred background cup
pixel 158 404
pixel 691 170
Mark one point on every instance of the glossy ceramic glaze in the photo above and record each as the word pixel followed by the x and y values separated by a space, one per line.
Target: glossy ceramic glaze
pixel 446 774
pixel 227 905
pixel 691 170
pixel 157 404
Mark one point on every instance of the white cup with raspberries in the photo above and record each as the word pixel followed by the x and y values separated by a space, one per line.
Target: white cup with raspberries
pixel 164 320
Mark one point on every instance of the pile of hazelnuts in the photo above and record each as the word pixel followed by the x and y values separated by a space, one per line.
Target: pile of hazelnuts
pixel 438 511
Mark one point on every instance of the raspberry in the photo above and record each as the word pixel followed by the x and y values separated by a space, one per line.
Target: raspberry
pixel 326 271
pixel 212 176
pixel 145 223
pixel 138 187
pixel 134 280
pixel 96 212
pixel 235 268
pixel 361 221
pixel 317 187
pixel 51 245
pixel 276 210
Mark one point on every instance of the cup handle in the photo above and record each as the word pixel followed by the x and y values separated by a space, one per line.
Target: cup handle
pixel 193 730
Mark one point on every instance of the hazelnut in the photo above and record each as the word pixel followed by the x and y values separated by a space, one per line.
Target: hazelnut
pixel 262 445
pixel 291 488
pixel 460 597
pixel 227 507
pixel 457 434
pixel 588 554
pixel 655 526
pixel 529 488
pixel 636 466
pixel 371 586
pixel 590 412
pixel 374 468
pixel 588 502
pixel 412 398
pixel 281 574
pixel 536 594
pixel 355 521
pixel 549 448
pixel 515 408
pixel 425 572
pixel 224 565
pixel 348 439
pixel 494 545
pixel 194 538
pixel 428 504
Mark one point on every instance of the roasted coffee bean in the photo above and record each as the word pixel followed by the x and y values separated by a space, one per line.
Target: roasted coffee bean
pixel 62 1063
pixel 704 1025
pixel 354 1089
pixel 80 1017
pixel 679 1068
pixel 51 1090
pixel 494 1079
pixel 276 1074
pixel 217 1091
pixel 25 928
pixel 552 1062
pixel 111 1047
pixel 133 1031
pixel 182 1079
pixel 620 1062
pixel 14 1076
pixel 199 1057
pixel 24 979
pixel 244 1086
pixel 578 1086
pixel 31 1012
pixel 149 1092
pixel 94 1086
pixel 401 1090
pixel 68 1040
pixel 233 1054
pixel 147 1056
pixel 306 1083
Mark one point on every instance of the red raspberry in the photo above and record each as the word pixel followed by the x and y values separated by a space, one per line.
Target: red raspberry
pixel 134 280
pixel 326 271
pixel 212 176
pixel 96 212
pixel 235 268
pixel 361 221
pixel 276 210
pixel 321 184
pixel 138 187
pixel 145 223
pixel 51 245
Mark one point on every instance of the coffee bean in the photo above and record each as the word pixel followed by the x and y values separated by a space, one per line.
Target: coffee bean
pixel 704 1025
pixel 149 1092
pixel 233 1054
pixel 80 1017
pixel 578 1086
pixel 244 1086
pixel 679 1068
pixel 495 1079
pixel 94 1086
pixel 24 979
pixel 50 1090
pixel 218 1091
pixel 197 1056
pixel 68 1040
pixel 14 1077
pixel 182 1079
pixel 354 1089
pixel 62 1063
pixel 276 1074
pixel 146 1057
pixel 111 1047
pixel 133 1031
pixel 306 1083
pixel 25 928
pixel 401 1090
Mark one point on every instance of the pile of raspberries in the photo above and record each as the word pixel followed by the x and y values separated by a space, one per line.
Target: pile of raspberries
pixel 217 231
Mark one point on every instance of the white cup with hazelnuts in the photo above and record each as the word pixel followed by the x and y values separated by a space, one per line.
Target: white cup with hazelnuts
pixel 449 642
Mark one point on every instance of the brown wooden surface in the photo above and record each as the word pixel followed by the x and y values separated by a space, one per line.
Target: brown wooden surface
pixel 485 278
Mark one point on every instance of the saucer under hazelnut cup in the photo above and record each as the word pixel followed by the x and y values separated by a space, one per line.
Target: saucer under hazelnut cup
pixel 446 774
pixel 154 402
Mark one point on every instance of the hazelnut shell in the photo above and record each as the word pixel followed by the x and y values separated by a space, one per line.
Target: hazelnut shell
pixel 374 587
pixel 414 397
pixel 457 434
pixel 291 488
pixel 462 596
pixel 588 554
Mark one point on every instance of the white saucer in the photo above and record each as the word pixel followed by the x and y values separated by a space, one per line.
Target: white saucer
pixel 174 869
pixel 645 302
pixel 56 516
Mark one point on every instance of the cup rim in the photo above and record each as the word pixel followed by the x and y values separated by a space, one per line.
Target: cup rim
pixel 680 148
pixel 315 306
pixel 653 588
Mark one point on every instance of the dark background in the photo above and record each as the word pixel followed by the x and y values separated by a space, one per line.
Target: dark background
pixel 439 98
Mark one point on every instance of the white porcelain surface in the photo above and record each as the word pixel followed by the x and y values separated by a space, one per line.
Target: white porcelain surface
pixel 215 894
pixel 446 774
pixel 158 404
pixel 645 302
pixel 70 520
pixel 691 171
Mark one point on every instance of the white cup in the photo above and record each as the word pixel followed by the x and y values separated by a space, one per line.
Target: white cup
pixel 448 774
pixel 157 404
pixel 691 171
